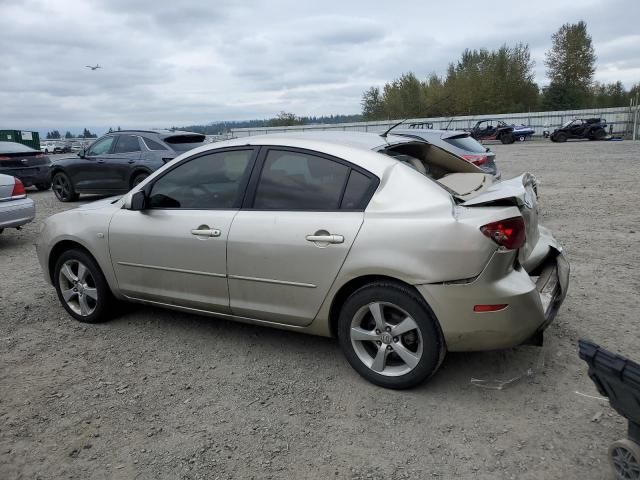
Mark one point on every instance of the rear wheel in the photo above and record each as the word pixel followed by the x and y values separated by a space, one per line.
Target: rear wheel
pixel 599 134
pixel 63 188
pixel 389 335
pixel 507 138
pixel 81 287
pixel 138 178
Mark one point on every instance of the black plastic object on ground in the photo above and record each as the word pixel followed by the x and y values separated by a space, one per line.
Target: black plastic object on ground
pixel 618 378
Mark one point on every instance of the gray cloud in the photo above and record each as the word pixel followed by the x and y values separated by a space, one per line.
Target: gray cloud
pixel 192 61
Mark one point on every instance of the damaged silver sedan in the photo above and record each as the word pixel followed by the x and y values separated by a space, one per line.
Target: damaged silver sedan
pixel 401 250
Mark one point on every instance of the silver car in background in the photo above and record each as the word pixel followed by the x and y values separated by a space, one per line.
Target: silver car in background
pixel 457 142
pixel 398 248
pixel 15 208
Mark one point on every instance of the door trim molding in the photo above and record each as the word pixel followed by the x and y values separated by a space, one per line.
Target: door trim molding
pixel 269 280
pixel 169 269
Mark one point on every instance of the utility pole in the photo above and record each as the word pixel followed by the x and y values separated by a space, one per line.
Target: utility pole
pixel 635 117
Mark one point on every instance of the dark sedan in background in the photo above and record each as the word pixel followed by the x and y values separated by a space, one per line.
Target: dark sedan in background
pixel 29 165
pixel 118 161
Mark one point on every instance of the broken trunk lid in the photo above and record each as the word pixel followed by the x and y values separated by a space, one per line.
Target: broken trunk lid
pixel 520 192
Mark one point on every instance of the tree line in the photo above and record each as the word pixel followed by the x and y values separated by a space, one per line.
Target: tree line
pixel 502 81
pixel 55 135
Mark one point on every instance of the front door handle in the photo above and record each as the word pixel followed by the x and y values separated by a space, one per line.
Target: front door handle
pixel 325 238
pixel 205 231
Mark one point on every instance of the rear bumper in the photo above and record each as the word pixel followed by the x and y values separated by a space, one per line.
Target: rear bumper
pixel 532 300
pixel 15 213
pixel 29 175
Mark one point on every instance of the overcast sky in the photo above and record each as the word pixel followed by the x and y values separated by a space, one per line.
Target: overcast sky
pixel 184 62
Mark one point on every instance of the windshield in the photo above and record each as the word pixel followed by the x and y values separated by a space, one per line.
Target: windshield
pixel 13 147
pixel 465 142
pixel 182 143
pixel 566 124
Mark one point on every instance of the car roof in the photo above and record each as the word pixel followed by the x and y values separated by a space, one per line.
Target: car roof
pixel 361 140
pixel 162 133
pixel 426 132
pixel 358 147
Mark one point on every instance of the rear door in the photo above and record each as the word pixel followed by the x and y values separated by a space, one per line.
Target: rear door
pixel 301 216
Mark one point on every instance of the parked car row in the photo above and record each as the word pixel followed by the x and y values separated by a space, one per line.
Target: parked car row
pixel 393 244
pixel 16 209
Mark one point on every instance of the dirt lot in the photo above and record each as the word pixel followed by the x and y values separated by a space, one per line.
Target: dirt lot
pixel 159 394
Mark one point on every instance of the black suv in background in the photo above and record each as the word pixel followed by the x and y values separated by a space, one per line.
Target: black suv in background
pixel 582 128
pixel 118 161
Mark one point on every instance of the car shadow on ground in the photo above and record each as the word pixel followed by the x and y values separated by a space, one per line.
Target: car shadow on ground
pixel 518 364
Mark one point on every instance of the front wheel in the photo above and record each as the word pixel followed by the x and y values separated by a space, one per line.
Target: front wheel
pixel 63 188
pixel 624 458
pixel 81 287
pixel 389 335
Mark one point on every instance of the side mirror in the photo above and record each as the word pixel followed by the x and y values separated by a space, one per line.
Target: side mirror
pixel 82 153
pixel 138 201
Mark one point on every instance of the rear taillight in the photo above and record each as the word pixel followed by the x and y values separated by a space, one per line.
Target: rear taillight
pixel 509 233
pixel 40 155
pixel 18 189
pixel 476 159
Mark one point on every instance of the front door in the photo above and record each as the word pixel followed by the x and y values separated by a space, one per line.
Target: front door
pixel 288 245
pixel 87 172
pixel 174 251
pixel 120 165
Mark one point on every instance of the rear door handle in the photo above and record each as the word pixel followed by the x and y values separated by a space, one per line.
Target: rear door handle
pixel 325 238
pixel 206 232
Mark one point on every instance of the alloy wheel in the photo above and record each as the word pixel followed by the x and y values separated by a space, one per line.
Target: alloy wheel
pixel 624 463
pixel 61 187
pixel 78 287
pixel 386 339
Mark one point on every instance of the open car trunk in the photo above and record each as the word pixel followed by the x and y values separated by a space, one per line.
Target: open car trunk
pixel 471 187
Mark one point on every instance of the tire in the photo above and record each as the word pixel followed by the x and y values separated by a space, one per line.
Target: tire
pixel 43 186
pixel 624 458
pixel 402 361
pixel 81 287
pixel 63 188
pixel 138 178
pixel 561 137
pixel 598 134
pixel 507 138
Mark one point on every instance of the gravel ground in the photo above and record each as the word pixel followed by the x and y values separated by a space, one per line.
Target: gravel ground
pixel 159 394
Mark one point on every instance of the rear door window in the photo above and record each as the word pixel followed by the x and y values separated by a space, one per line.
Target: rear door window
pixel 294 180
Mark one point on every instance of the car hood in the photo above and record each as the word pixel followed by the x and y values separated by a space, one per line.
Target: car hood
pixel 102 203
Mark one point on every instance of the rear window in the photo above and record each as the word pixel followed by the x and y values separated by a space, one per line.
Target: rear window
pixel 13 147
pixel 182 143
pixel 467 143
